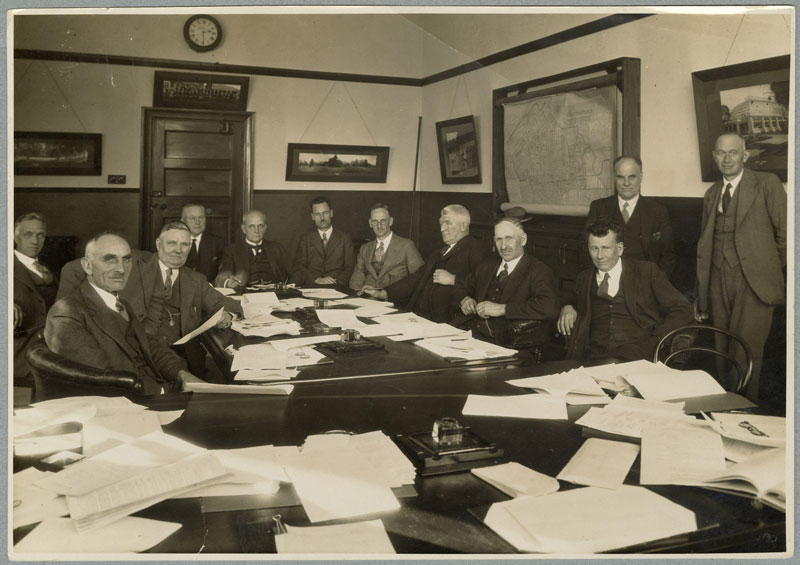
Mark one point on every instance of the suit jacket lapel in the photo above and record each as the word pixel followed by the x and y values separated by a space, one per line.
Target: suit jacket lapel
pixel 389 255
pixel 186 299
pixel 646 221
pixel 515 277
pixel 746 194
pixel 22 274
pixel 105 318
pixel 317 242
pixel 629 285
pixel 150 275
pixel 483 285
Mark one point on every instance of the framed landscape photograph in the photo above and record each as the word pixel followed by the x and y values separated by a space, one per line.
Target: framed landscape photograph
pixel 336 163
pixel 458 151
pixel 199 91
pixel 57 153
pixel 751 99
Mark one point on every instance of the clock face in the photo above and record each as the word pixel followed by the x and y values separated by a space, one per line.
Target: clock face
pixel 202 33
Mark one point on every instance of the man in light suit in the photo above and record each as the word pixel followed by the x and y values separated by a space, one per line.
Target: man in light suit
pixel 324 255
pixel 741 252
pixel 645 222
pixel 429 291
pixel 622 307
pixel 206 249
pixel 34 289
pixel 254 259
pixel 388 258
pixel 93 326
pixel 515 286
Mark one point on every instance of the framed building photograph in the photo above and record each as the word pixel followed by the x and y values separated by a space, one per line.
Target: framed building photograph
pixel 57 153
pixel 336 163
pixel 199 91
pixel 458 151
pixel 751 99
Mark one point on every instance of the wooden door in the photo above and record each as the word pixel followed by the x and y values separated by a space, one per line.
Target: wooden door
pixel 196 156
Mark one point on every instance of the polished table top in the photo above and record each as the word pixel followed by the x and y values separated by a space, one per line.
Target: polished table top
pixel 438 519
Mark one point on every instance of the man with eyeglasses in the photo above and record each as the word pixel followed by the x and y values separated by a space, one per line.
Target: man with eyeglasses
pixel 741 252
pixel 324 255
pixel 388 258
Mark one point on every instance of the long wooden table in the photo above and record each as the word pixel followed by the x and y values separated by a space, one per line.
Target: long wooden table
pixel 438 519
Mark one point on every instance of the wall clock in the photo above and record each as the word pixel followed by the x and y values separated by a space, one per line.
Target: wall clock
pixel 202 33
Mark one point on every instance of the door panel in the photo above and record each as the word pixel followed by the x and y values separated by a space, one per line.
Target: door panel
pixel 196 157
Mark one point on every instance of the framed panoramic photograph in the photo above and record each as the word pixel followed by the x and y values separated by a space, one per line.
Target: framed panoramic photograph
pixel 458 151
pixel 751 99
pixel 57 153
pixel 336 163
pixel 199 91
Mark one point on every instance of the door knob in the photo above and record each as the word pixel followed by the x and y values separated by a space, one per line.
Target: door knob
pixel 163 206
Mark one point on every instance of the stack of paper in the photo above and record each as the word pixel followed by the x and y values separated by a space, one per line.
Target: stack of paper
pixel 517 480
pixel 576 387
pixel 322 293
pixel 265 325
pixel 600 463
pixel 766 431
pixel 363 538
pixel 679 454
pixel 32 503
pixel 588 520
pixel 338 318
pixel 407 326
pixel 464 347
pixel 292 304
pixel 626 416
pixel 534 406
pixel 214 388
pixel 659 382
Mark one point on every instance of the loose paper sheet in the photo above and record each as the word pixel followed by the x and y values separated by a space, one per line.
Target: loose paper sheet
pixel 322 293
pixel 600 463
pixel 679 454
pixel 517 480
pixel 336 318
pixel 205 326
pixel 362 538
pixel 32 504
pixel 213 388
pixel 535 406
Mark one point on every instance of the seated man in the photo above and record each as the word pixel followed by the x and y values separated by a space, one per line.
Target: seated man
pixel 624 307
pixel 429 291
pixel 324 255
pixel 170 299
pixel 387 259
pixel 254 260
pixel 516 286
pixel 34 289
pixel 92 326
pixel 206 249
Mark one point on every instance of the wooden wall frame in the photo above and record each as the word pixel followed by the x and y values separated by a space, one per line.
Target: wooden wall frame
pixel 625 72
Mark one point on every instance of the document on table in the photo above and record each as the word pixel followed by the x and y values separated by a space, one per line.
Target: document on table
pixel 414 330
pixel 665 383
pixel 104 432
pixel 576 387
pixel 292 304
pixel 373 310
pixel 258 356
pixel 534 406
pixel 338 318
pixel 626 416
pixel 205 326
pixel 517 480
pixel 264 375
pixel 679 454
pixel 767 431
pixel 362 538
pixel 338 483
pixel 463 346
pixel 260 463
pixel 322 293
pixel 365 302
pixel 588 520
pixel 31 503
pixel 127 535
pixel 213 388
pixel 266 325
pixel 264 298
pixel 600 463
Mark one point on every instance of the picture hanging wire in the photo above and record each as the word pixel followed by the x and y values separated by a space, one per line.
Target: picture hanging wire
pixel 352 102
pixel 461 81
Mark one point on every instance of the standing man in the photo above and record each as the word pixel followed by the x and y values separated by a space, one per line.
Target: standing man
pixel 429 291
pixel 647 231
pixel 92 325
pixel 741 252
pixel 35 289
pixel 387 259
pixel 324 255
pixel 206 249
pixel 622 307
pixel 253 260
pixel 515 286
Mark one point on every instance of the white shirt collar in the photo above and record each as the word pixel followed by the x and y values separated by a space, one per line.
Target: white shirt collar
pixel 734 185
pixel 198 238
pixel 631 203
pixel 511 265
pixel 327 233
pixel 386 240
pixel 164 268
pixel 251 244
pixel 614 277
pixel 108 299
pixel 27 261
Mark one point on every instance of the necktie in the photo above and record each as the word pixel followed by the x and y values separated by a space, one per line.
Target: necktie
pixel 625 215
pixel 502 275
pixel 122 311
pixel 445 250
pixel 44 272
pixel 324 240
pixel 168 283
pixel 726 198
pixel 256 249
pixel 379 252
pixel 602 290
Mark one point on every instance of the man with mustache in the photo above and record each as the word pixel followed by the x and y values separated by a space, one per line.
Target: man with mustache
pixel 94 327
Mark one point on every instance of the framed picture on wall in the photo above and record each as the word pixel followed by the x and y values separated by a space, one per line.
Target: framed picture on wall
pixel 57 153
pixel 199 91
pixel 458 151
pixel 336 163
pixel 751 99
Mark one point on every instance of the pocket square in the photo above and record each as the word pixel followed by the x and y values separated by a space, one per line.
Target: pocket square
pixel 657 235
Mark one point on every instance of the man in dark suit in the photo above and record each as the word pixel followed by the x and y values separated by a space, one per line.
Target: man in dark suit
pixel 386 259
pixel 206 249
pixel 93 326
pixel 647 230
pixel 515 286
pixel 741 252
pixel 34 289
pixel 429 291
pixel 622 307
pixel 254 259
pixel 324 255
